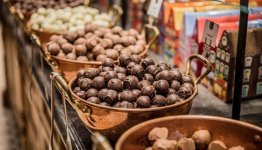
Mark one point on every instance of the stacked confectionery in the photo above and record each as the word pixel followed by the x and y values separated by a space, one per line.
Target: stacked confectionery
pixel 136 83
pixel 96 44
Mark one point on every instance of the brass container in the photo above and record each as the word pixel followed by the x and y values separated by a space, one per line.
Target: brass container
pixel 231 132
pixel 112 122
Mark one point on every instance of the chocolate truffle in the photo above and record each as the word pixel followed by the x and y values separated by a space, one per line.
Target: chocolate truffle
pixel 164 75
pixel 126 104
pixel 99 82
pixel 175 85
pixel 53 48
pixel 143 102
pixel 54 38
pixel 172 99
pixel 85 83
pixel 71 56
pixel 148 91
pixel 80 73
pixel 120 70
pixel 187 79
pixel 105 69
pixel 136 93
pixel 111 97
pixel 147 62
pixel 81 58
pixel 70 36
pixel 102 94
pixel 171 91
pixel 184 92
pixel 163 66
pixel 94 100
pixel 81 33
pixel 108 62
pixel 121 76
pixel 101 57
pixel 91 93
pixel 115 84
pixel 130 82
pixel 98 50
pixel 81 94
pixel 61 54
pixel 76 89
pixel 127 96
pixel 202 138
pixel 67 48
pixel 111 53
pixel 80 50
pixel 157 133
pixel 142 84
pixel 148 77
pixel 62 41
pixel 104 104
pixel 106 43
pixel 109 75
pixel 119 47
pixel 135 58
pixel 152 69
pixel 129 67
pixel 80 41
pixel 188 85
pixel 161 86
pixel 159 100
pixel 91 73
pixel 176 75
pixel 124 60
pixel 137 70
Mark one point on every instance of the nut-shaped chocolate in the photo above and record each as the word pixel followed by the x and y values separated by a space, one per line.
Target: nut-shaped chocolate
pixel 171 91
pixel 187 79
pixel 99 82
pixel 147 62
pixel 172 99
pixel 127 96
pixel 142 84
pixel 148 77
pixel 98 50
pixel 136 93
pixel 176 75
pixel 67 48
pixel 91 73
pixel 130 82
pixel 138 70
pixel 124 60
pixel 129 67
pixel 148 91
pixel 106 43
pixel 152 69
pixel 126 104
pixel 115 84
pixel 101 57
pixel 76 89
pixel 53 48
pixel 161 86
pixel 136 58
pixel 81 94
pixel 159 100
pixel 121 76
pixel 188 85
pixel 120 70
pixel 70 36
pixel 184 92
pixel 80 41
pixel 84 83
pixel 105 69
pixel 80 50
pixel 175 85
pixel 143 102
pixel 61 41
pixel 91 93
pixel 71 56
pixel 111 96
pixel 94 100
pixel 111 53
pixel 119 47
pixel 108 62
pixel 164 75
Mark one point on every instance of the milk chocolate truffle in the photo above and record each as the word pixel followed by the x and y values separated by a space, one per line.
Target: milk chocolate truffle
pixel 161 86
pixel 109 75
pixel 188 85
pixel 129 67
pixel 135 58
pixel 142 84
pixel 67 48
pixel 106 43
pixel 115 84
pixel 130 82
pixel 94 100
pixel 111 97
pixel 105 69
pixel 99 82
pixel 91 93
pixel 119 47
pixel 70 36
pixel 148 77
pixel 163 66
pixel 101 57
pixel 124 60
pixel 172 99
pixel 81 33
pixel 76 89
pixel 80 50
pixel 127 96
pixel 184 92
pixel 85 83
pixel 126 104
pixel 53 48
pixel 187 79
pixel 104 104
pixel 176 75
pixel 54 38
pixel 61 54
pixel 159 100
pixel 157 133
pixel 137 70
pixel 98 50
pixel 121 76
pixel 147 62
pixel 81 94
pixel 80 41
pixel 117 29
pixel 148 91
pixel 143 102
pixel 91 43
pixel 136 93
pixel 90 28
pixel 102 94
pixel 175 85
pixel 62 41
pixel 171 91
pixel 81 58
pixel 164 75
pixel 120 70
pixel 91 73
pixel 108 62
pixel 152 69
pixel 80 73
pixel 202 138
pixel 71 56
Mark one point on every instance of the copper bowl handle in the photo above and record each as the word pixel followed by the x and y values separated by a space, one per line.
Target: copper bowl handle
pixel 115 12
pixel 150 27
pixel 204 61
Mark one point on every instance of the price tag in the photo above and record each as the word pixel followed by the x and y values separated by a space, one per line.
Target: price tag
pixel 154 8
pixel 210 33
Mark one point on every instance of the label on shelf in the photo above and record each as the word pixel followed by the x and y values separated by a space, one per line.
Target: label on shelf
pixel 154 8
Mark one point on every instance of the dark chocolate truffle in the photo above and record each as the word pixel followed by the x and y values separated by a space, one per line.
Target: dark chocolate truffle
pixel 127 96
pixel 147 62
pixel 142 84
pixel 85 83
pixel 81 94
pixel 109 75
pixel 91 93
pixel 136 93
pixel 135 58
pixel 76 89
pixel 111 97
pixel 130 82
pixel 152 69
pixel 81 58
pixel 124 60
pixel 115 84
pixel 104 104
pixel 121 76
pixel 129 67
pixel 120 70
pixel 94 100
pixel 126 104
pixel 137 70
pixel 148 91
pixel 80 50
pixel 148 77
pixel 80 73
pixel 176 75
pixel 70 36
pixel 188 85
pixel 187 79
pixel 175 85
pixel 184 92
pixel 102 93
pixel 71 56
pixel 105 69
pixel 108 62
pixel 171 91
pixel 172 99
pixel 143 102
pixel 91 73
pixel 159 100
pixel 53 48
pixel 99 82
pixel 161 86
pixel 67 48
pixel 163 66
pixel 164 75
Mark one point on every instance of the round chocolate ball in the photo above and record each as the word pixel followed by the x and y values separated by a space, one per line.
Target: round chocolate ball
pixel 135 58
pixel 148 77
pixel 53 48
pixel 148 91
pixel 81 58
pixel 85 83
pixel 80 50
pixel 101 57
pixel 80 41
pixel 80 73
pixel 91 73
pixel 187 79
pixel 70 36
pixel 172 99
pixel 188 85
pixel 163 66
pixel 54 38
pixel 105 69
pixel 176 75
pixel 76 89
pixel 98 50
pixel 137 70
pixel 91 93
pixel 61 41
pixel 164 75
pixel 71 56
pixel 81 94
pixel 104 104
pixel 124 60
pixel 143 102
pixel 175 85
pixel 81 33
pixel 121 76
pixel 111 96
pixel 67 48
pixel 161 86
pixel 171 91
pixel 152 69
pixel 120 70
pixel 61 54
pixel 159 100
pixel 136 93
pixel 129 67
pixel 147 62
pixel 127 96
pixel 111 53
pixel 102 93
pixel 94 100
pixel 184 92
pixel 130 82
pixel 99 82
pixel 143 83
pixel 108 62
pixel 109 75
pixel 126 104
pixel 115 84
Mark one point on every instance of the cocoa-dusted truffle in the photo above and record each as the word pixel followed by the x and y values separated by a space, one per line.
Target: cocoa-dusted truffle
pixel 161 86
pixel 171 91
pixel 135 58
pixel 54 38
pixel 130 82
pixel 70 36
pixel 121 76
pixel 111 53
pixel 148 91
pixel 115 84
pixel 124 60
pixel 109 75
pixel 81 58
pixel 61 54
pixel 91 43
pixel 91 73
pixel 175 85
pixel 163 66
pixel 187 79
pixel 111 97
pixel 143 102
pixel 148 77
pixel 105 69
pixel 102 94
pixel 71 56
pixel 164 75
pixel 106 43
pixel 80 41
pixel 142 84
pixel 159 100
pixel 61 41
pixel 120 70
pixel 152 69
pixel 76 89
pixel 136 93
pixel 101 57
pixel 172 99
pixel 127 96
pixel 104 104
pixel 85 83
pixel 119 47
pixel 98 50
pixel 81 94
pixel 126 104
pixel 129 67
pixel 188 85
pixel 91 93
pixel 99 82
pixel 137 70
pixel 176 75
pixel 94 100
pixel 80 50
pixel 184 92
pixel 53 48
pixel 147 62
pixel 67 48
pixel 108 62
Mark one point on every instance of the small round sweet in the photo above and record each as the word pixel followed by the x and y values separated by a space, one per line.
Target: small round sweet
pixel 111 53
pixel 172 99
pixel 126 104
pixel 136 58
pixel 163 66
pixel 85 83
pixel 54 38
pixel 61 54
pixel 188 85
pixel 129 67
pixel 127 96
pixel 175 85
pixel 164 144
pixel 109 75
pixel 99 82
pixel 82 58
pixel 159 100
pixel 81 33
pixel 217 145
pixel 147 62
pixel 187 79
pixel 80 73
pixel 142 84
pixel 130 82
pixel 138 70
pixel 102 94
pixel 118 47
pixel 80 50
pixel 70 36
pixel 120 70
pixel 104 104
pixel 202 138
pixel 124 60
pixel 80 41
pixel 106 43
pixel 76 89
pixel 94 100
pixel 81 94
pixel 236 148
pixel 158 133
pixel 98 50
pixel 115 84
pixel 136 93
pixel 164 75
pixel 61 41
pixel 91 73
pixel 53 48
pixel 152 69
pixel 108 62
pixel 176 75
pixel 91 93
pixel 184 92
pixel 148 77
pixel 111 96
pixel 161 86
pixel 186 144
pixel 143 102
pixel 67 48
pixel 148 91
pixel 71 56
pixel 117 29
pixel 101 57
pixel 171 91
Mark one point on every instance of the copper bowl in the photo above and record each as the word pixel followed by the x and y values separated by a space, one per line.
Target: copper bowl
pixel 231 132
pixel 112 122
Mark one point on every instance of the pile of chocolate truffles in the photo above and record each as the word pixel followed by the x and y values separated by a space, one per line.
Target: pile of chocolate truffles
pixel 200 140
pixel 136 83
pixel 31 6
pixel 96 44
